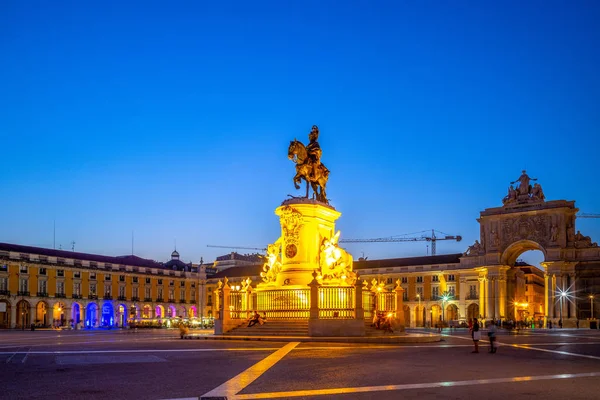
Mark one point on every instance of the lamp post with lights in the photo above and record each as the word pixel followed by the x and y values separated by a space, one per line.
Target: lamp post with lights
pixel 562 294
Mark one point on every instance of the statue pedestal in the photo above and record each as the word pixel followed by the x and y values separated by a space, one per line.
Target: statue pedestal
pixel 304 224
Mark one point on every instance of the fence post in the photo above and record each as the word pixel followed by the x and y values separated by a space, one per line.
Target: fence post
pixel 359 312
pixel 314 297
pixel 399 304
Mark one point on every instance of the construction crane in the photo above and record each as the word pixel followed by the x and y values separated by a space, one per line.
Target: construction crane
pixel 402 238
pixel 588 215
pixel 236 247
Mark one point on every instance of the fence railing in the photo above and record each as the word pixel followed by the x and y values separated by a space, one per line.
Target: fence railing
pixel 368 304
pixel 284 304
pixel 331 302
pixel 385 301
pixel 336 302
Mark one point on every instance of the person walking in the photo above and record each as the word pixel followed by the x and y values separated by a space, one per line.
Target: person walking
pixel 492 336
pixel 476 335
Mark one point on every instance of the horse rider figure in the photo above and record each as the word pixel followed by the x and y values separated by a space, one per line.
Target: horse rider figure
pixel 314 153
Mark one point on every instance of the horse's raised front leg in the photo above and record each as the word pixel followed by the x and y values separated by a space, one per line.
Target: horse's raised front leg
pixel 297 179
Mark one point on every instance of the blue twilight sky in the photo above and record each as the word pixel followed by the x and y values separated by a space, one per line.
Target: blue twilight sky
pixel 171 120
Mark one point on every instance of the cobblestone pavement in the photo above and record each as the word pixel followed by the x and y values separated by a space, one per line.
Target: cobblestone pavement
pixel 159 365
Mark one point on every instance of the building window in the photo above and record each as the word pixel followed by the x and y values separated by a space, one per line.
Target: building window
pixel 171 283
pixel 451 278
pixel 42 271
pixel 148 280
pixel 209 299
pixel 4 268
pixel 92 289
pixel 107 277
pixel 122 291
pixel 452 290
pixel 148 295
pixel 135 292
pixel 193 284
pixel 171 294
pixel 160 281
pixel 390 280
pixel 92 275
pixel 435 278
pixel 107 290
pixel 135 279
pixel 77 288
pixel 182 284
pixel 419 279
pixel 60 287
pixel 3 284
pixel 420 292
pixel 160 294
pixel 23 284
pixel 77 274
pixel 472 291
pixel 182 294
pixel 405 295
pixel 121 278
pixel 23 269
pixel 193 295
pixel 404 279
pixel 60 273
pixel 43 286
pixel 435 292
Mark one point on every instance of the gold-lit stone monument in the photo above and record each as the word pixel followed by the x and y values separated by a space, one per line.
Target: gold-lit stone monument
pixel 308 240
pixel 306 275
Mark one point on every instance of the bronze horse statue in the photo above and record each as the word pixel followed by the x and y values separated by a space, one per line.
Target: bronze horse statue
pixel 298 154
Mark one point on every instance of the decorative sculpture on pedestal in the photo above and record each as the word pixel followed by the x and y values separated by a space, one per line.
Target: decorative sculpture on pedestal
pixel 524 192
pixel 309 166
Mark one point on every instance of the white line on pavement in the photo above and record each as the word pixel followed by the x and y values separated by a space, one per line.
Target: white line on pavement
pixel 366 389
pixel 236 384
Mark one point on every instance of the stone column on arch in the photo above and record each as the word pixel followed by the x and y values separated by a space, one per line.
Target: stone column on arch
pixel 482 293
pixel 489 298
pixel 572 296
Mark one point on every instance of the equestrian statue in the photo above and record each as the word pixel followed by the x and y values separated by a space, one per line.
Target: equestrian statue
pixel 309 166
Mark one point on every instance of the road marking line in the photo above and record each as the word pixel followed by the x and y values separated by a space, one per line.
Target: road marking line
pixel 566 353
pixel 138 351
pixel 236 384
pixel 409 386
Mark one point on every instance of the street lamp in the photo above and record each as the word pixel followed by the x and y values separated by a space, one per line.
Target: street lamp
pixel 419 299
pixel 445 298
pixel 592 306
pixel 563 294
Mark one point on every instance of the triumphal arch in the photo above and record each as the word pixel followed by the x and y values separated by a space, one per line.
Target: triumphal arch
pixel 526 221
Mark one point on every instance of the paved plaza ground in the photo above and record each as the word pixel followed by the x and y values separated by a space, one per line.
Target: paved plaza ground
pixel 159 365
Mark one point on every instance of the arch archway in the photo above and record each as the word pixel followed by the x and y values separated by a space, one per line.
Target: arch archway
pixel 41 313
pixel 5 315
pixel 171 311
pixel 147 311
pixel 121 319
pixel 58 313
pixel 133 312
pixel 451 312
pixel 159 311
pixel 107 318
pixel 91 315
pixel 472 311
pixel 23 314
pixel 192 313
pixel 516 249
pixel 76 313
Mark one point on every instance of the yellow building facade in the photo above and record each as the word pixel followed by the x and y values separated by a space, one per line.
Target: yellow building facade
pixel 50 288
